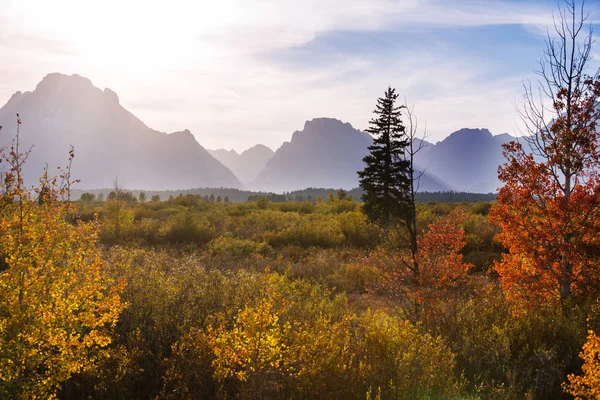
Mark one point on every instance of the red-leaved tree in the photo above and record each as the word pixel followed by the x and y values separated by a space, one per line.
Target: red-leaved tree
pixel 549 206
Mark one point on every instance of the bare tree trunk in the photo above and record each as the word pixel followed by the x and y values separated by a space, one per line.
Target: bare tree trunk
pixel 411 222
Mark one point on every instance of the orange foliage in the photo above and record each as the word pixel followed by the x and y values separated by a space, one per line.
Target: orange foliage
pixel 441 266
pixel 548 207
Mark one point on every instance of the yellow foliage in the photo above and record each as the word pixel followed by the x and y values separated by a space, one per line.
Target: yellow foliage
pixel 587 386
pixel 255 343
pixel 57 306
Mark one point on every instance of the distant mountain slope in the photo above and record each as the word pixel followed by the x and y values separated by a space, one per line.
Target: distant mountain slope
pixel 245 166
pixel 109 141
pixel 326 153
pixel 467 160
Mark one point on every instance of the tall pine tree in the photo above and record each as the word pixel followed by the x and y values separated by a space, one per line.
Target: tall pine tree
pixel 387 177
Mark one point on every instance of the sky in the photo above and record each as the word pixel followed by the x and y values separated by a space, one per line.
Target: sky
pixel 241 72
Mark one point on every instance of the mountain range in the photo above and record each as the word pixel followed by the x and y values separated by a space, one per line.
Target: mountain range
pixel 327 152
pixel 247 165
pixel 111 143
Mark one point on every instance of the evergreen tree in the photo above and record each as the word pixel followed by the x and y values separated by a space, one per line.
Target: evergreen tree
pixel 386 179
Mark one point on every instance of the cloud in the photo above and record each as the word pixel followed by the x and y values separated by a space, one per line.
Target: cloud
pixel 237 72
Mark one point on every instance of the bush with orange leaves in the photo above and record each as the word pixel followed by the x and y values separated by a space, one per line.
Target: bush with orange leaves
pixel 440 265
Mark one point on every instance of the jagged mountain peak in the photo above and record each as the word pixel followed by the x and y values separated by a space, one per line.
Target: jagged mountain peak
pixel 469 134
pixel 111 96
pixel 326 133
pixel 58 87
pixel 55 82
pixel 328 153
pixel 109 141
pixel 185 136
pixel 256 149
pixel 247 165
pixel 325 125
pixel 504 137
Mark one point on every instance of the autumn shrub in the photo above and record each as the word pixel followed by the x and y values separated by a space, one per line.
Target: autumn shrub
pixel 297 343
pixel 322 359
pixel 217 217
pixel 338 206
pixel 358 231
pixel 117 219
pixel 189 371
pixel 262 202
pixel 164 213
pixel 251 352
pixel 481 208
pixel 240 209
pixel 304 207
pixel 507 355
pixel 147 229
pixel 169 295
pixel 188 227
pixel 145 210
pixel 238 247
pixel 262 224
pixel 587 385
pixel 353 277
pixel 188 201
pixel 481 248
pixel 311 230
pixel 244 346
pixel 313 263
pixel 404 363
pixel 440 209
pixel 58 306
pixel 421 285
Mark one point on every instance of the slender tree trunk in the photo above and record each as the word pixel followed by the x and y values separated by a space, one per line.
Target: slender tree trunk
pixel 566 278
pixel 414 246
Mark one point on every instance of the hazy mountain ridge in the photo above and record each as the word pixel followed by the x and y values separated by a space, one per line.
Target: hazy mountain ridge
pixel 247 165
pixel 467 160
pixel 328 152
pixel 109 141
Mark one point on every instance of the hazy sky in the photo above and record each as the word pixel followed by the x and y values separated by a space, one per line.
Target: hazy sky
pixel 241 72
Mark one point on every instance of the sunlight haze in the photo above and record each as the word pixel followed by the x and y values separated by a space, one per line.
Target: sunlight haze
pixel 237 73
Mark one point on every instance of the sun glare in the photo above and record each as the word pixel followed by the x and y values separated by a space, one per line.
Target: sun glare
pixel 146 37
